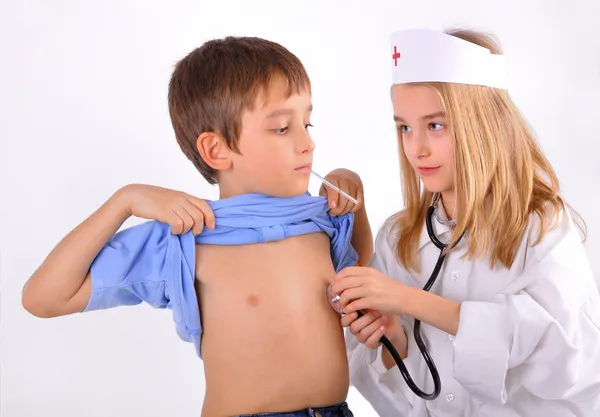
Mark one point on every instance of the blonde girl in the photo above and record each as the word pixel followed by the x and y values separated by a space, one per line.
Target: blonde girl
pixel 513 320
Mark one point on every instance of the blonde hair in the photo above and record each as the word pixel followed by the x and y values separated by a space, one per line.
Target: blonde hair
pixel 501 173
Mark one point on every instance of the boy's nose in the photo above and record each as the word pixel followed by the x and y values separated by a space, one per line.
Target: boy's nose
pixel 306 144
pixel 311 144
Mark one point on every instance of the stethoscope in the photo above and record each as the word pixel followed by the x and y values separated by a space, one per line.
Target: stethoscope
pixel 334 301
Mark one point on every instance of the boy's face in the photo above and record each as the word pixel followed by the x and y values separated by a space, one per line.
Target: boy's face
pixel 276 150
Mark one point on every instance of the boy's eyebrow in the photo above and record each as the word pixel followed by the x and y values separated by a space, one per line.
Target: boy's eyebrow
pixel 426 117
pixel 279 112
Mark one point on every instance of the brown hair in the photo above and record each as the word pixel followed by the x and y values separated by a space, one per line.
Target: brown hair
pixel 213 85
pixel 501 173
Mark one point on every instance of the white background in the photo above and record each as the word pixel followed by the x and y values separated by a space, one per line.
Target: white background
pixel 83 111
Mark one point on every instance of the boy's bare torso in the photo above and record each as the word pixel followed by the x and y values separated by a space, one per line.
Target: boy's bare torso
pixel 271 340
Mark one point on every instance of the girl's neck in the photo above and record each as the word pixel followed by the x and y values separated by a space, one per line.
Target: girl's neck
pixel 449 204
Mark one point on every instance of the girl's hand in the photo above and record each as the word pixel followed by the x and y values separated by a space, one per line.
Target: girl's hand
pixel 363 288
pixel 370 327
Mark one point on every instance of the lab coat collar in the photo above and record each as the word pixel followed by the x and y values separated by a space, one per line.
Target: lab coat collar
pixel 441 228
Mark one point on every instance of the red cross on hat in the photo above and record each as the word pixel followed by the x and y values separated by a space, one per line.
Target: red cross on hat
pixel 395 56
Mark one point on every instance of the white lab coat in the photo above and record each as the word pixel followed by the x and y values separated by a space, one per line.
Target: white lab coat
pixel 528 341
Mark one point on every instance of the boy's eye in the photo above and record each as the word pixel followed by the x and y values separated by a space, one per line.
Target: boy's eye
pixel 281 131
pixel 284 130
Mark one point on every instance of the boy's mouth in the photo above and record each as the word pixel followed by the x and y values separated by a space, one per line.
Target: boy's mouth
pixel 305 169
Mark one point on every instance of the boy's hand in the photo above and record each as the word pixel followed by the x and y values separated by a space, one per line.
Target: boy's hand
pixel 178 209
pixel 350 183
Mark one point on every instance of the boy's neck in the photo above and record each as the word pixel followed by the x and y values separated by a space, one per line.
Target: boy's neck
pixel 226 192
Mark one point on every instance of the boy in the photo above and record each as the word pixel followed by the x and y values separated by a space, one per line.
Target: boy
pixel 249 288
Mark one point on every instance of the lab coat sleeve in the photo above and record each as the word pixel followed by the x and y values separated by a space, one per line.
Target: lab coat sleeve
pixel 379 386
pixel 130 269
pixel 543 336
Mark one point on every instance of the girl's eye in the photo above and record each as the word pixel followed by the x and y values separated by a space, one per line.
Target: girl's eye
pixel 403 128
pixel 306 126
pixel 436 126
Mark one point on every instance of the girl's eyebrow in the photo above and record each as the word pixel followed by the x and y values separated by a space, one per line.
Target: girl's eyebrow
pixel 426 117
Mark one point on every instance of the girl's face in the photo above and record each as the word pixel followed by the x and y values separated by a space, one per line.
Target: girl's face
pixel 426 138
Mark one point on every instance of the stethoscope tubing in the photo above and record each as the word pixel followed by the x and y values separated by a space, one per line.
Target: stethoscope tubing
pixel 437 386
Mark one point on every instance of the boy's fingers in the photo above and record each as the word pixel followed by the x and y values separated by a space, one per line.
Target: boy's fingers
pixel 343 202
pixel 354 192
pixel 333 197
pixel 207 213
pixel 176 224
pixel 323 191
pixel 360 198
pixel 182 221
pixel 197 216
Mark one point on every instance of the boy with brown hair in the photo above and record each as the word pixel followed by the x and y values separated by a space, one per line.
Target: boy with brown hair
pixel 249 288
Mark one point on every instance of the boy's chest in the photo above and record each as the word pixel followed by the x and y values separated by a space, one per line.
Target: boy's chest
pixel 296 264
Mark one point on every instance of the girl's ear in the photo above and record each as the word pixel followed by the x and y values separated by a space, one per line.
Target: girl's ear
pixel 214 151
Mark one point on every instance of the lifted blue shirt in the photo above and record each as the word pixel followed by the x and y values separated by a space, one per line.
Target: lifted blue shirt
pixel 147 263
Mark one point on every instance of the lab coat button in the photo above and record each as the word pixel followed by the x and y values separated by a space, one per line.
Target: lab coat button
pixel 450 397
pixel 450 337
pixel 455 275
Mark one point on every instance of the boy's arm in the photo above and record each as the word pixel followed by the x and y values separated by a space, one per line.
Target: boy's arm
pixel 125 263
pixel 362 237
pixel 62 284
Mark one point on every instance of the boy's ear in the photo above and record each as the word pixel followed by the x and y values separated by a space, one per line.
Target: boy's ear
pixel 214 151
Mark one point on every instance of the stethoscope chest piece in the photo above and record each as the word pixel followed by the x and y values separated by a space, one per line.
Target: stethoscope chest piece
pixel 334 300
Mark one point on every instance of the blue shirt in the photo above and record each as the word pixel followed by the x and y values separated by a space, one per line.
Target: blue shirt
pixel 147 263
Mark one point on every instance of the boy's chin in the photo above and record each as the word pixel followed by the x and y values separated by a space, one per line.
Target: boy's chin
pixel 287 191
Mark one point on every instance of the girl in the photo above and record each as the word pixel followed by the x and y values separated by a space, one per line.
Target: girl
pixel 513 320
